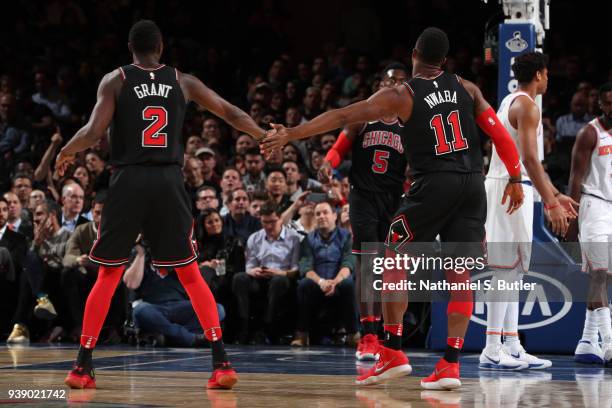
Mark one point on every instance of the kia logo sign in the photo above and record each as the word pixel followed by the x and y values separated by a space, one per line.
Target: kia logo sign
pixel 536 303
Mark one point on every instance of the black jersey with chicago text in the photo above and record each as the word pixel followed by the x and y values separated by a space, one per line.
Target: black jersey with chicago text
pixel 441 133
pixel 148 120
pixel 379 159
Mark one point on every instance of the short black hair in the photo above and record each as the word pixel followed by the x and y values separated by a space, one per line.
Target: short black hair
pixel 395 65
pixel 526 65
pixel 253 151
pixel 269 208
pixel 21 176
pixel 276 169
pixel 607 87
pixel 3 200
pixel 145 37
pixel 100 197
pixel 230 196
pixel 432 45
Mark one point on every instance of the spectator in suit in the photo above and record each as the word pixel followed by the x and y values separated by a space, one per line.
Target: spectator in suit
pixel 43 259
pixel 15 220
pixel 12 254
pixel 326 266
pixel 73 198
pixel 79 273
pixel 272 260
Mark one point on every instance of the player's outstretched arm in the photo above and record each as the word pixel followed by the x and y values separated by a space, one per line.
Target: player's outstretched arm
pixel 334 156
pixel 99 121
pixel 196 91
pixel 386 102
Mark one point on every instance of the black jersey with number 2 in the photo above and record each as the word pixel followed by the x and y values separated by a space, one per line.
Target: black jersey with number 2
pixel 148 120
pixel 441 134
pixel 379 159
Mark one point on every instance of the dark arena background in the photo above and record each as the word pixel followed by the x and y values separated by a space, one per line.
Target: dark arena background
pixel 273 236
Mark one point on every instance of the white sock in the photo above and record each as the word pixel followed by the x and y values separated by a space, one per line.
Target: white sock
pixel 511 318
pixel 496 309
pixel 602 317
pixel 590 330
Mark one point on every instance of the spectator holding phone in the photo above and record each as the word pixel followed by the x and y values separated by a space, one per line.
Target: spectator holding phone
pixel 304 206
pixel 326 265
pixel 272 261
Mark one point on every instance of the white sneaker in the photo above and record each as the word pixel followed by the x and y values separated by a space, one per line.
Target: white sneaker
pixel 588 352
pixel 607 352
pixel 533 362
pixel 495 358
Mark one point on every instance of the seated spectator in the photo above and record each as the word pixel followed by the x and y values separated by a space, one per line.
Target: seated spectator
pixel 272 257
pixel 72 205
pixel 79 273
pixel 258 198
pixel 229 182
pixel 345 221
pixel 16 222
pixel 254 179
pixel 161 304
pixel 97 167
pixel 36 197
pixel 206 198
pixel 208 158
pixel 244 143
pixel 15 136
pixel 238 222
pixel 326 264
pixel 12 255
pixel 276 186
pixel 43 259
pixel 193 143
pixel 569 125
pixel 22 186
pixel 305 208
pixel 221 255
pixel 194 180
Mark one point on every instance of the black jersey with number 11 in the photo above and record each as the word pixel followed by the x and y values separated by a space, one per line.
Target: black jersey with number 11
pixel 148 120
pixel 441 134
pixel 379 159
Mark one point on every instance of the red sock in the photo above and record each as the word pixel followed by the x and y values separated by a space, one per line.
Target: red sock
pixel 202 300
pixel 98 303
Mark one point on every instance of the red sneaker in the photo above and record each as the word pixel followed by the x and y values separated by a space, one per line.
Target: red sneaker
pixel 223 378
pixel 444 377
pixel 78 378
pixel 391 364
pixel 368 347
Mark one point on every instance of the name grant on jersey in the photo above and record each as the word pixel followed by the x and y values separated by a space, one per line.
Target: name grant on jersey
pixel 153 89
pixel 438 97
pixel 384 138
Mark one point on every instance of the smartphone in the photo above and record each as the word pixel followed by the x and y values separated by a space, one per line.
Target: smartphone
pixel 316 197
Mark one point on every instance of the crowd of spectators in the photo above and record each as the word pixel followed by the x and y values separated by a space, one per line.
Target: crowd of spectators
pixel 275 260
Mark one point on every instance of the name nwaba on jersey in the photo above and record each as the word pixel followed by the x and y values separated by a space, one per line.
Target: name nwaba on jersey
pixel 438 97
pixel 153 89
pixel 383 138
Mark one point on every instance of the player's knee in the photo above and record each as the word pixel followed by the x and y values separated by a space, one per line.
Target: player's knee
pixel 463 307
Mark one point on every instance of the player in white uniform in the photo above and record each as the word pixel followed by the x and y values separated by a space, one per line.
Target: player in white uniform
pixel 509 234
pixel 591 183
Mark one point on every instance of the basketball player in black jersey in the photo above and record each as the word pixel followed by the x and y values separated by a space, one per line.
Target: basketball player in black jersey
pixel 439 112
pixel 377 178
pixel 144 105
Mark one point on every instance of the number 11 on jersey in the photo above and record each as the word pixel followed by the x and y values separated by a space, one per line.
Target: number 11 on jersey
pixel 458 141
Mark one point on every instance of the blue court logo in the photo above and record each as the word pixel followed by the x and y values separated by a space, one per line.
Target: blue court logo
pixel 537 310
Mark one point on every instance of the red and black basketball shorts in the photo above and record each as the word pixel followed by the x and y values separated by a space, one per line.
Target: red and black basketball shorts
pixel 450 205
pixel 371 214
pixel 150 200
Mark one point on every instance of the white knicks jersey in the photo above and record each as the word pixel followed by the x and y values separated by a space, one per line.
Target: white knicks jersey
pixel 598 181
pixel 497 169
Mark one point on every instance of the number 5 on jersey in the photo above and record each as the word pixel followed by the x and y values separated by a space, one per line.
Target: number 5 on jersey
pixel 152 136
pixel 380 161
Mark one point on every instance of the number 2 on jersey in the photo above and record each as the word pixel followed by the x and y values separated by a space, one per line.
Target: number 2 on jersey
pixel 152 136
pixel 442 145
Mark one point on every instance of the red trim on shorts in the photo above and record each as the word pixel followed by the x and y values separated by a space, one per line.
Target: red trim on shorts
pixel 184 261
pixel 108 262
